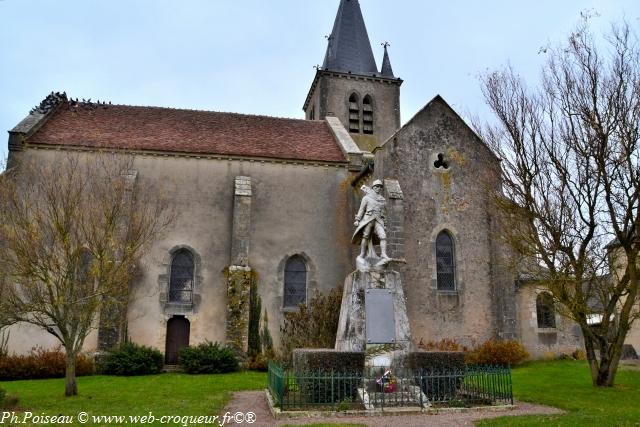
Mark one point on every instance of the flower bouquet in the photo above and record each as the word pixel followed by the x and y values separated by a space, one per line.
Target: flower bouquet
pixel 387 382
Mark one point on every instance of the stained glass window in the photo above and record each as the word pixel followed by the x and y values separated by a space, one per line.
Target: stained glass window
pixel 445 262
pixel 295 282
pixel 181 283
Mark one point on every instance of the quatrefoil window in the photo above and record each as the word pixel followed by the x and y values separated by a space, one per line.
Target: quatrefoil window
pixel 441 163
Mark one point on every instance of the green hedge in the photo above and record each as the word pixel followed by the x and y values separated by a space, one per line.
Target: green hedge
pixel 208 358
pixel 132 359
pixel 442 372
pixel 313 368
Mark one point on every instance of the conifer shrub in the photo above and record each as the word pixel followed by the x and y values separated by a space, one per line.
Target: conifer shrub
pixel 208 358
pixel 265 338
pixel 312 326
pixel 254 343
pixel 41 363
pixel 494 352
pixel 130 359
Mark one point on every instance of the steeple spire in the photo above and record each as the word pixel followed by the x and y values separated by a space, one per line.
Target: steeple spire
pixel 386 71
pixel 349 49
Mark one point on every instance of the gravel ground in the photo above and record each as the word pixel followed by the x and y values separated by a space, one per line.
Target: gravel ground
pixel 256 402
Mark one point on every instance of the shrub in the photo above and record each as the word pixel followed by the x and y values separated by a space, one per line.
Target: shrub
pixel 258 363
pixel 440 371
pixel 132 359
pixel 494 352
pixel 208 358
pixel 314 367
pixel 265 338
pixel 444 344
pixel 41 363
pixel 435 360
pixel 255 308
pixel 579 355
pixel 312 326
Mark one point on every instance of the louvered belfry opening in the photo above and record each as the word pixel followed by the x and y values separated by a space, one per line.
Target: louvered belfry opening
pixel 354 114
pixel 445 262
pixel 367 115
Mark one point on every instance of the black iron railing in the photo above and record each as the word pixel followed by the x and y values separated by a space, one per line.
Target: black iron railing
pixel 381 388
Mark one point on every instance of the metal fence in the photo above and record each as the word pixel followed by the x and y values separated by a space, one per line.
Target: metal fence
pixel 380 388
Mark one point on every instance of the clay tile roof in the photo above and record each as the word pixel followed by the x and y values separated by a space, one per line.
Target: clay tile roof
pixel 189 131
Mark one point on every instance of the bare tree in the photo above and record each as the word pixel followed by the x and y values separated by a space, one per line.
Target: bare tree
pixel 569 151
pixel 73 231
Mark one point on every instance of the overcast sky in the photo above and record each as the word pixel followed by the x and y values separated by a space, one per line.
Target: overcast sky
pixel 257 56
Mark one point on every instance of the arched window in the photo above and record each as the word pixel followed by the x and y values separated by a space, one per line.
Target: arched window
pixel 295 281
pixel 181 281
pixel 367 115
pixel 544 311
pixel 354 114
pixel 445 262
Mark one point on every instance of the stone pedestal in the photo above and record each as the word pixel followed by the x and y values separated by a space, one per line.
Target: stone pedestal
pixel 389 337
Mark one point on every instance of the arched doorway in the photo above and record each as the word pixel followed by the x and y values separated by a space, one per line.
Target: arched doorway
pixel 177 337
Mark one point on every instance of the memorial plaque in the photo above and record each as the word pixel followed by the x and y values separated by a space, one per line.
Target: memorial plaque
pixel 380 319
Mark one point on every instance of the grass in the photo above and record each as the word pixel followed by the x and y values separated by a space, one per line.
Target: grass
pixel 165 394
pixel 563 384
pixel 567 385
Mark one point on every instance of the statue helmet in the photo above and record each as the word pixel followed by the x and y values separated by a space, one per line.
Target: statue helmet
pixel 377 182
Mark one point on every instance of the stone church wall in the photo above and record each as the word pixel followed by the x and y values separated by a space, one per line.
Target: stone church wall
pixel 298 208
pixel 454 199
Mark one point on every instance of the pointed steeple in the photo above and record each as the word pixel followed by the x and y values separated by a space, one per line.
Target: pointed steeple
pixel 349 49
pixel 386 71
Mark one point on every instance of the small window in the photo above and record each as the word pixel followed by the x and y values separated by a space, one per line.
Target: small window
pixel 182 273
pixel 354 114
pixel 367 115
pixel 445 262
pixel 295 282
pixel 545 311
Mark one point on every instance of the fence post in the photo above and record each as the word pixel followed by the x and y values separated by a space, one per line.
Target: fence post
pixel 333 396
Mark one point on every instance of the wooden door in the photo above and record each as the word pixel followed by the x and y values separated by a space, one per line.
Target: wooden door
pixel 177 337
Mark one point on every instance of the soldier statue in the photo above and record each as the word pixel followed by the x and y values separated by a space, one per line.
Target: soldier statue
pixel 370 224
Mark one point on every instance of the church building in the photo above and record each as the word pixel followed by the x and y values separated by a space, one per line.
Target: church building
pixel 276 198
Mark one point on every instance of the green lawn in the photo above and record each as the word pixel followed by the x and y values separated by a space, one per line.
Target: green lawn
pixel 563 384
pixel 165 394
pixel 567 385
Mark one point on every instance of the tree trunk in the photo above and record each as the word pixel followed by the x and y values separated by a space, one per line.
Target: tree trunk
pixel 608 369
pixel 70 383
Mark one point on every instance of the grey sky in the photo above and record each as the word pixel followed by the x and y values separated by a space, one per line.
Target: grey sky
pixel 257 56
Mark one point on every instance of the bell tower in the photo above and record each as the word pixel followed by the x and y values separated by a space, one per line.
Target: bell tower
pixel 349 85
